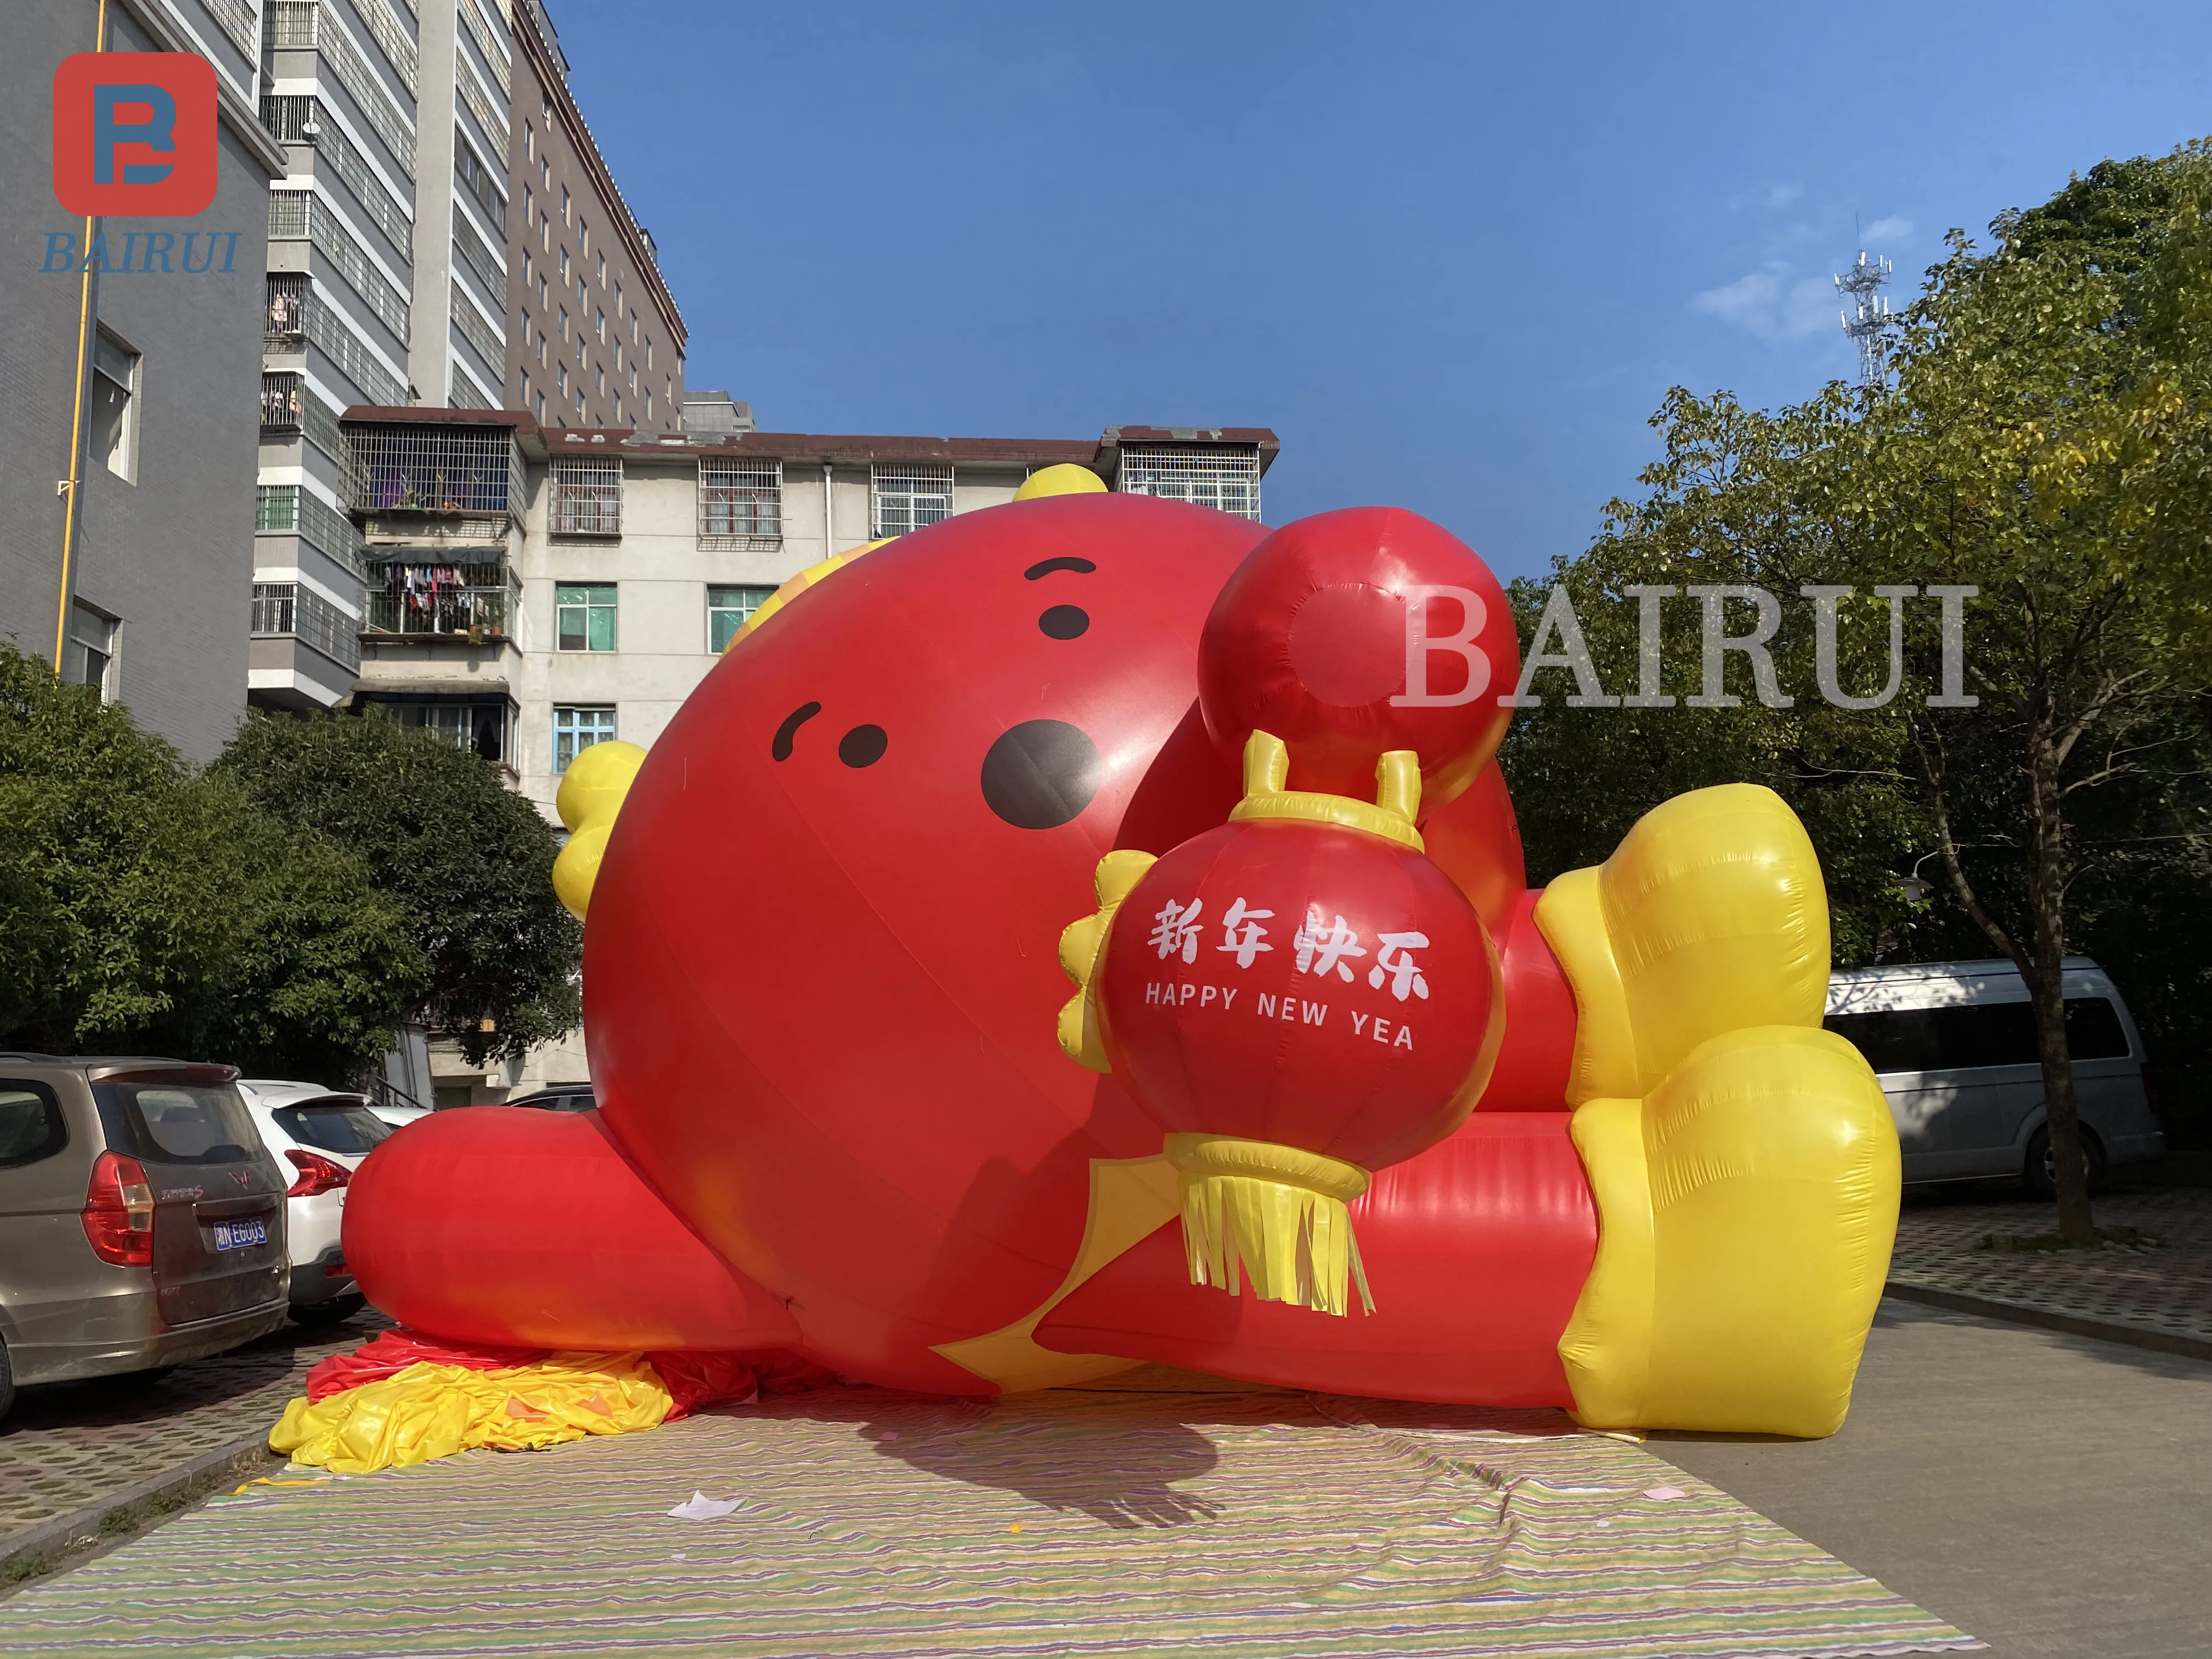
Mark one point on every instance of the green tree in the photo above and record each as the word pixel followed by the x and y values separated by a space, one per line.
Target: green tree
pixel 470 862
pixel 150 910
pixel 2048 444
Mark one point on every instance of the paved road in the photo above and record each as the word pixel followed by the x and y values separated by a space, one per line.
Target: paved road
pixel 74 1443
pixel 2052 1494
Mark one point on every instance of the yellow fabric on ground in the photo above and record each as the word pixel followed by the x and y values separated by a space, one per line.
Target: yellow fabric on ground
pixel 433 1410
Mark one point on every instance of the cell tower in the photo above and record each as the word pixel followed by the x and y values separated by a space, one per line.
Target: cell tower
pixel 1871 316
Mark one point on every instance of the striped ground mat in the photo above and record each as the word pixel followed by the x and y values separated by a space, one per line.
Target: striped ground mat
pixel 1245 1524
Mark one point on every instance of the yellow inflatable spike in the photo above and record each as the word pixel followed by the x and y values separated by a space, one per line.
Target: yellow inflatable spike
pixel 1065 479
pixel 1083 949
pixel 592 790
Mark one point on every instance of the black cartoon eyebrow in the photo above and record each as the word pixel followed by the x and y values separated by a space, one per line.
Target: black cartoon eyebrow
pixel 1082 566
pixel 780 748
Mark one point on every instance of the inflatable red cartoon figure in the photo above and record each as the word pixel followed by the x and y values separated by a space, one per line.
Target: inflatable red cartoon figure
pixel 1335 1104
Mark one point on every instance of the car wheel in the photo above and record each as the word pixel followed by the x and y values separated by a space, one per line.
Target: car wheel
pixel 7 1383
pixel 2041 1174
pixel 335 1311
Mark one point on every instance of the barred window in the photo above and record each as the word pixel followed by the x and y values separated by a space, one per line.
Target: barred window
pixel 1227 479
pixel 727 610
pixel 740 501
pixel 906 497
pixel 576 729
pixel 585 497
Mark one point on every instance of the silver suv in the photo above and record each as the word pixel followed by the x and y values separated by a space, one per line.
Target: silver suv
pixel 142 1220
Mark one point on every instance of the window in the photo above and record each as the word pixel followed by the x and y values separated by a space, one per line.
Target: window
pixel 352 1131
pixel 584 499
pixel 618 408
pixel 545 175
pixel 529 140
pixel 599 379
pixel 180 1123
pixel 584 615
pixel 523 375
pixel 576 729
pixel 529 208
pixel 564 322
pixel 633 329
pixel 541 347
pixel 114 392
pixel 561 377
pixel 480 725
pixel 617 303
pixel 1975 1035
pixel 739 500
pixel 564 204
pixel 584 235
pixel 1224 478
pixel 583 297
pixel 726 610
pixel 88 653
pixel 603 270
pixel 545 294
pixel 564 267
pixel 600 324
pixel 31 1126
pixel 906 497
pixel 541 408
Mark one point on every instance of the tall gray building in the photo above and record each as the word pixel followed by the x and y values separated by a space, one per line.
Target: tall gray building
pixel 136 380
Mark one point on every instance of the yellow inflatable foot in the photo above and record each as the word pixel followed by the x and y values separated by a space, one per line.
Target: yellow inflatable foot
pixel 1746 1212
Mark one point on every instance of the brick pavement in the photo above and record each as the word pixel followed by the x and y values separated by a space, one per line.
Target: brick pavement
pixel 71 1445
pixel 2166 1290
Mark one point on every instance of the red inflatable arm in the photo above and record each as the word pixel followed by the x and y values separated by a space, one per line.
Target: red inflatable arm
pixel 447 1226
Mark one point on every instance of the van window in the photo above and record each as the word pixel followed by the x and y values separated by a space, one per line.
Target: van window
pixel 1975 1035
pixel 351 1130
pixel 181 1123
pixel 31 1126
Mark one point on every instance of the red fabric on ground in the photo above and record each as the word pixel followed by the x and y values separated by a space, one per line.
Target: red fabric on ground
pixel 390 1353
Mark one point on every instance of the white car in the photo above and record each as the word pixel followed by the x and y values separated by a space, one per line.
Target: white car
pixel 319 1137
pixel 397 1116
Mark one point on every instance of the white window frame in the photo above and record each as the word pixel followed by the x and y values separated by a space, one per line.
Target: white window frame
pixel 1223 477
pixel 904 495
pixel 740 502
pixel 118 383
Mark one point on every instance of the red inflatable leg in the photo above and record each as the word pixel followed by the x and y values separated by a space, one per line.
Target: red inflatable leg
pixel 503 1225
pixel 1476 1249
pixel 1531 1072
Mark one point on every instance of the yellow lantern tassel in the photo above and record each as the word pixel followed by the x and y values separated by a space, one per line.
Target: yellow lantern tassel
pixel 1276 1213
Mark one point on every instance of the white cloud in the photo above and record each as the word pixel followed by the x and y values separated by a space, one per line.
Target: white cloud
pixel 1773 304
pixel 1783 195
pixel 1773 196
pixel 1891 230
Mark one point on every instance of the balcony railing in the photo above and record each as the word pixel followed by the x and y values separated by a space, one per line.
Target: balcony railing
pixel 477 602
pixel 282 399
pixel 288 610
pixel 285 326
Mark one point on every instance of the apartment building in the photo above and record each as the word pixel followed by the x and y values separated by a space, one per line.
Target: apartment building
pixel 549 588
pixel 447 233
pixel 128 419
pixel 596 341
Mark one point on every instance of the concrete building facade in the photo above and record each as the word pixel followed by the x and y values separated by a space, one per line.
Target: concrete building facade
pixel 586 580
pixel 595 340
pixel 135 377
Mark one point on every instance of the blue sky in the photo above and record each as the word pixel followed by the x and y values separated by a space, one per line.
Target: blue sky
pixel 1453 254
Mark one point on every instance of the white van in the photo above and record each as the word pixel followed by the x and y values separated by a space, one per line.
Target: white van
pixel 1953 1043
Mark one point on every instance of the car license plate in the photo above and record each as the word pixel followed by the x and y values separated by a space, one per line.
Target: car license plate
pixel 236 1234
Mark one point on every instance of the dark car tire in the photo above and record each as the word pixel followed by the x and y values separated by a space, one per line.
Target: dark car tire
pixel 2038 1176
pixel 7 1384
pixel 335 1311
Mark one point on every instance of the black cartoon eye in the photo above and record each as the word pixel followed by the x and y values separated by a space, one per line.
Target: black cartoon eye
pixel 862 746
pixel 1065 622
pixel 1046 566
pixel 781 748
pixel 1041 774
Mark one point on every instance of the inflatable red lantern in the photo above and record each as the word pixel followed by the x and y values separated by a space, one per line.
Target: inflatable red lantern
pixel 1297 998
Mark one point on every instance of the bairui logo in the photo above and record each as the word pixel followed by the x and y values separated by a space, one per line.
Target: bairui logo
pixel 134 134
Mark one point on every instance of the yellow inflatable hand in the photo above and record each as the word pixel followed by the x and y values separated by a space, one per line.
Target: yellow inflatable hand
pixel 1744 1162
pixel 593 790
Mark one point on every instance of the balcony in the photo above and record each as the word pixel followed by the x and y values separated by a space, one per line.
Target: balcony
pixel 285 326
pixel 421 467
pixel 476 603
pixel 288 610
pixel 282 399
